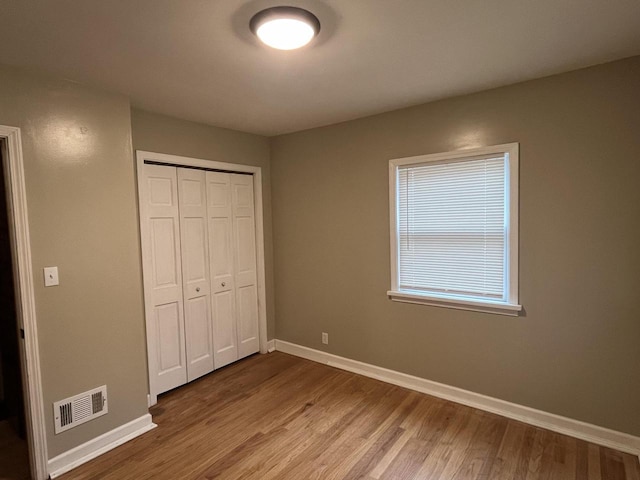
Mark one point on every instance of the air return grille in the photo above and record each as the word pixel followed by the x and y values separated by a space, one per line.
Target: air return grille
pixel 74 411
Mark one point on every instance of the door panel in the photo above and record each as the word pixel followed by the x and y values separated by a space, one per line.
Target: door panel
pixel 161 189
pixel 245 249
pixel 163 242
pixel 163 277
pixel 195 272
pixel 170 337
pixel 225 329
pixel 220 233
pixel 194 249
pixel 248 342
pixel 220 222
pixel 198 326
pixel 245 266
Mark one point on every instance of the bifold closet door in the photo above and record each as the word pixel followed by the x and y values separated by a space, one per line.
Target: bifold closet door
pixel 195 272
pixel 225 344
pixel 245 265
pixel 200 271
pixel 230 207
pixel 163 277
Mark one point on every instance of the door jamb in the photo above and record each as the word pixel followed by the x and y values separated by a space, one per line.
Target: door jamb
pixel 13 164
pixel 178 161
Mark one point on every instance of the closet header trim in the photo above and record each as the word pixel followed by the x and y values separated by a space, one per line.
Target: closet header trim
pixel 154 162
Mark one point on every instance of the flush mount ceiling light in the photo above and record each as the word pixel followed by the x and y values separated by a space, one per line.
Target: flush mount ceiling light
pixel 285 28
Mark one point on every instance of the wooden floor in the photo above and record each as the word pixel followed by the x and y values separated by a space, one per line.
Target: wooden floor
pixel 14 458
pixel 280 417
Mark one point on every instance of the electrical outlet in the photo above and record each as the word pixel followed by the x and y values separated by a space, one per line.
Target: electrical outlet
pixel 325 338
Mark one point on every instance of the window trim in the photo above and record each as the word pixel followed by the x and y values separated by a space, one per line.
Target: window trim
pixel 511 305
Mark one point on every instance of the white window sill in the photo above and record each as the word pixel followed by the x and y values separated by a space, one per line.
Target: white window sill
pixel 460 304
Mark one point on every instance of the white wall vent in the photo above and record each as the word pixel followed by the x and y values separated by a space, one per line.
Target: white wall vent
pixel 74 411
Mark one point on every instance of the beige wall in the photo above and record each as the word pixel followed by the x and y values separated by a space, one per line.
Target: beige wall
pixel 162 134
pixel 575 350
pixel 82 218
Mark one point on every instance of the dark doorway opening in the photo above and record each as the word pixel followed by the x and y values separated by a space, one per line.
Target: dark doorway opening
pixel 14 458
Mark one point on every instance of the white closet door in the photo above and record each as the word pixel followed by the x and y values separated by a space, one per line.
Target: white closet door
pixel 163 279
pixel 220 218
pixel 195 272
pixel 246 276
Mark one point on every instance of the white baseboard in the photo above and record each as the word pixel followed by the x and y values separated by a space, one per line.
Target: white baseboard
pixel 99 445
pixel 567 426
pixel 271 346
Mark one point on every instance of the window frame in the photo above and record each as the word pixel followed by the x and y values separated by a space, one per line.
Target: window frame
pixel 510 306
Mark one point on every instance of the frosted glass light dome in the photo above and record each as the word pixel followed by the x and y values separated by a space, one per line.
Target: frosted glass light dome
pixel 285 28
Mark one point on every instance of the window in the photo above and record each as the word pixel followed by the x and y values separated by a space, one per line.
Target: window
pixel 454 229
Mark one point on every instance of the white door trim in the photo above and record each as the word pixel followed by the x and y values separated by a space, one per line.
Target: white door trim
pixel 13 165
pixel 176 160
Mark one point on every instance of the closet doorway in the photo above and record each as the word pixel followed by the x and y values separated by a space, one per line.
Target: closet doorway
pixel 202 245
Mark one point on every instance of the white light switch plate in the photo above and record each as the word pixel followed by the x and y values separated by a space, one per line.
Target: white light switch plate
pixel 51 276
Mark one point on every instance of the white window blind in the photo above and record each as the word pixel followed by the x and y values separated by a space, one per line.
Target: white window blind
pixel 452 220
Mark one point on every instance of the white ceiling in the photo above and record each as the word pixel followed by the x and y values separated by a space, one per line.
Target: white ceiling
pixel 197 60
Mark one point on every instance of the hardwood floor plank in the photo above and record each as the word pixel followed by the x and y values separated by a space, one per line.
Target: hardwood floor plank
pixel 505 464
pixel 410 425
pixel 390 432
pixel 565 465
pixel 346 446
pixel 370 459
pixel 408 461
pixel 447 457
pixel 550 455
pixel 536 458
pixel 611 463
pixel 631 467
pixel 278 417
pixel 488 466
pixel 485 443
pixel 431 430
pixel 582 461
pixel 522 464
pixel 268 463
pixel 594 470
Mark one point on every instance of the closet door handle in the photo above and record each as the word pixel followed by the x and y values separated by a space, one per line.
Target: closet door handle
pixel 197 289
pixel 224 284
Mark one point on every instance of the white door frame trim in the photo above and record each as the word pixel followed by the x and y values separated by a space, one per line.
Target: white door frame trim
pixel 178 161
pixel 13 165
